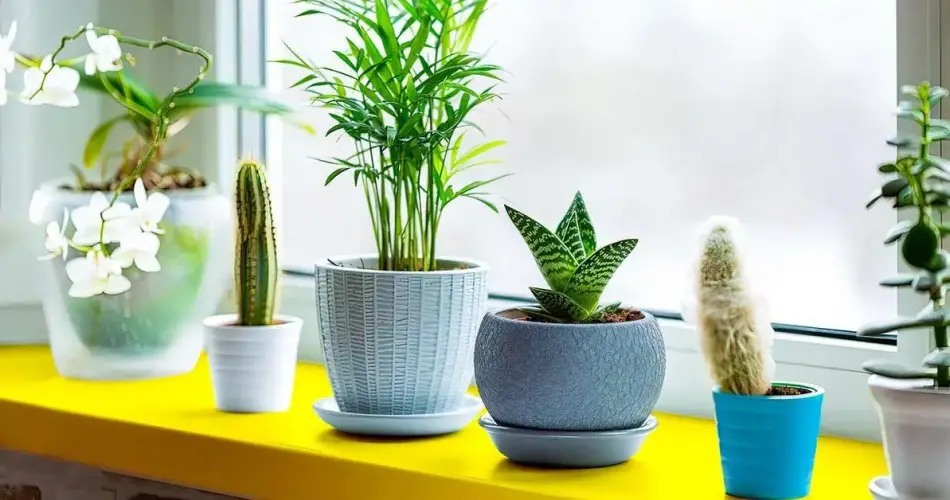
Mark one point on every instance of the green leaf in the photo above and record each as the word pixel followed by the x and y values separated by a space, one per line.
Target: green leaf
pixel 584 224
pixel 592 275
pixel 876 197
pixel 900 229
pixel 887 168
pixel 910 90
pixel 898 281
pixel 938 133
pixel 926 320
pixel 893 187
pixel 893 370
pixel 902 141
pixel 478 150
pixel 920 246
pixel 336 173
pixel 97 140
pixel 935 94
pixel 540 314
pixel 558 304
pixel 907 109
pixel 212 94
pixel 570 233
pixel 554 259
pixel 922 281
pixel 938 357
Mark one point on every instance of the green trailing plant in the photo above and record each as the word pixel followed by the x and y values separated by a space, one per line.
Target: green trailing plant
pixel 255 264
pixel 573 267
pixel 920 181
pixel 403 95
pixel 729 333
pixel 154 118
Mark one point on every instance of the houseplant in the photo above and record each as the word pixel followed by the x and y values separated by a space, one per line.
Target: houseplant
pixel 253 354
pixel 398 327
pixel 768 431
pixel 914 403
pixel 569 364
pixel 126 299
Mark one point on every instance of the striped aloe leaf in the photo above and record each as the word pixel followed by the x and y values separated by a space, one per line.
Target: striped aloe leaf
pixel 570 233
pixel 592 275
pixel 554 259
pixel 559 305
pixel 585 227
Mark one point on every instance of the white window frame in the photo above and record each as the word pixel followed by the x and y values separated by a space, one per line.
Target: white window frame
pixel 834 364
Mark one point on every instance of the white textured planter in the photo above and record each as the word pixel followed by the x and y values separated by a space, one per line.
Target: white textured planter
pixel 252 367
pixel 399 343
pixel 915 423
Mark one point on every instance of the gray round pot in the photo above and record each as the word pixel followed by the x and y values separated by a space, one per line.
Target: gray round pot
pixel 399 343
pixel 580 377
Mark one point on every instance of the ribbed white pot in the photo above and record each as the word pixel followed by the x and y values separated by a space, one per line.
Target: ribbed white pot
pixel 252 367
pixel 915 423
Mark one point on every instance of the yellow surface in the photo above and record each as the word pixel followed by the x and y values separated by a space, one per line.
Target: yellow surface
pixel 168 430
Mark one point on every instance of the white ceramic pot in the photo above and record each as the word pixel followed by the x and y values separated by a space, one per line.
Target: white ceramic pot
pixel 915 423
pixel 252 367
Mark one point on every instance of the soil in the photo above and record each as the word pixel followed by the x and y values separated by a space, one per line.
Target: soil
pixel 621 316
pixel 784 390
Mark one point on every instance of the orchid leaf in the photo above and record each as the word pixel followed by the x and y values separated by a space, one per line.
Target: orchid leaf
pixel 97 141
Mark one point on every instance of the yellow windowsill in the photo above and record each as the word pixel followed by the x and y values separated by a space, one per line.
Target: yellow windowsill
pixel 168 430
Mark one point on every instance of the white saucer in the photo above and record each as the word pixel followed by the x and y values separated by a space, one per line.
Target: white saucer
pixel 399 425
pixel 882 488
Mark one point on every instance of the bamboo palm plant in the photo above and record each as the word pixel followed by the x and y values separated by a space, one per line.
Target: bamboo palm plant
pixel 403 95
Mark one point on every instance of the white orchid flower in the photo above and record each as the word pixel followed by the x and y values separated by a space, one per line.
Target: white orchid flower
pixel 59 89
pixel 149 208
pixel 56 241
pixel 140 249
pixel 95 274
pixel 89 220
pixel 7 60
pixel 106 54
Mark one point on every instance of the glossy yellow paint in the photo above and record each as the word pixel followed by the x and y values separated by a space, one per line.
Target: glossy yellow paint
pixel 168 430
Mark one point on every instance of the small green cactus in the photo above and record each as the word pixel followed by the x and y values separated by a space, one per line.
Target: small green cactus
pixel 730 337
pixel 575 269
pixel 255 264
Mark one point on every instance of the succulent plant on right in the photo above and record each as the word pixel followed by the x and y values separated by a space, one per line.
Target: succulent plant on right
pixel 572 265
pixel 920 181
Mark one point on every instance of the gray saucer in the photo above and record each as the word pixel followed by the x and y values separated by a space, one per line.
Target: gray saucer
pixel 567 449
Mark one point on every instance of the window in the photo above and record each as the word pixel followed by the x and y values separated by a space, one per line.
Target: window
pixel 661 114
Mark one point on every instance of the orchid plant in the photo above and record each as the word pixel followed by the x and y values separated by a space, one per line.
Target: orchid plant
pixel 110 235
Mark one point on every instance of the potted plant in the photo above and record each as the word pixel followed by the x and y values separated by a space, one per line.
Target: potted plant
pixel 253 354
pixel 570 364
pixel 146 257
pixel 768 430
pixel 398 326
pixel 914 402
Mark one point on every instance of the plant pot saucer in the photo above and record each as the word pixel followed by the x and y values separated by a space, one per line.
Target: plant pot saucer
pixel 567 449
pixel 882 488
pixel 422 425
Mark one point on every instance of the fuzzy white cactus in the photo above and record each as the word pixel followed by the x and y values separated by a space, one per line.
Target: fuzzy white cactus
pixel 735 334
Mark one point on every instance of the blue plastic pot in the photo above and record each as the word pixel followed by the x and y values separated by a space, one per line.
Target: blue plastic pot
pixel 767 443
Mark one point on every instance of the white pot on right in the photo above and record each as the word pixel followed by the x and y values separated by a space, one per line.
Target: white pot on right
pixel 915 425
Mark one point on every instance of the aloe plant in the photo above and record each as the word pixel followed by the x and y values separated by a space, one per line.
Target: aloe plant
pixel 255 264
pixel 919 181
pixel 573 267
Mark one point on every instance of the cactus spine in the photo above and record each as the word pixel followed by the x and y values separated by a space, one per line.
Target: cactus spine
pixel 730 341
pixel 255 264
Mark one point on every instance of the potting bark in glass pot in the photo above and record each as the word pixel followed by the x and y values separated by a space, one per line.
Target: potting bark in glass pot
pixel 398 326
pixel 138 253
pixel 768 430
pixel 570 382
